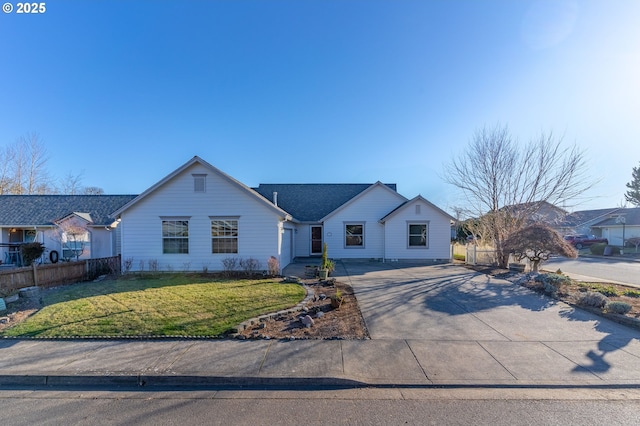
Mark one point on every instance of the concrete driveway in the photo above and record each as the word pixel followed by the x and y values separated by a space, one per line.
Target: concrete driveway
pixel 447 302
pixel 461 325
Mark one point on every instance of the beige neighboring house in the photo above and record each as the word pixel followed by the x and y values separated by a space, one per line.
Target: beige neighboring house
pixel 64 224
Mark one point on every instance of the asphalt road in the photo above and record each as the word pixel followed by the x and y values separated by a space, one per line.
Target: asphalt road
pixel 622 271
pixel 364 406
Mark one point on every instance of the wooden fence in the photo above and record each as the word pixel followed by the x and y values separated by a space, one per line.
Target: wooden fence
pixel 51 275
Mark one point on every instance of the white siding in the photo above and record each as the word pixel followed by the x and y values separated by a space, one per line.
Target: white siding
pixel 101 244
pixel 614 234
pixel 396 233
pixel 141 227
pixel 367 209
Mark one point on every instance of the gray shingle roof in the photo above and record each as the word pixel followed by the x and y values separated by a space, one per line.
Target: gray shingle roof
pixel 42 210
pixel 631 217
pixel 584 217
pixel 310 202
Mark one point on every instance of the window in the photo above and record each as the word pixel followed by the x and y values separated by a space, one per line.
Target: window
pixel 75 244
pixel 175 236
pixel 224 235
pixel 199 183
pixel 354 235
pixel 417 235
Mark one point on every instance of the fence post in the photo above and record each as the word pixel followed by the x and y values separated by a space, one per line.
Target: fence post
pixel 35 274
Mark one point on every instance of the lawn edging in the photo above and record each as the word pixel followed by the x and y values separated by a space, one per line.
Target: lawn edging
pixel 262 318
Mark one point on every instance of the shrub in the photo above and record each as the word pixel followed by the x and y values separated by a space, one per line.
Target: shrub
pixel 273 265
pixel 632 293
pixel 592 298
pixel 30 252
pixel 549 288
pixel 153 265
pixel 250 265
pixel 552 282
pixel 608 290
pixel 229 265
pixel 598 248
pixel 128 264
pixel 617 307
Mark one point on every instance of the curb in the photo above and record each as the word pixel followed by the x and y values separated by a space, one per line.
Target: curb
pixel 152 382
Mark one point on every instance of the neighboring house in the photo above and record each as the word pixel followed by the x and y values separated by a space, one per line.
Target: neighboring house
pixel 198 216
pixel 618 223
pixel 74 226
pixel 581 222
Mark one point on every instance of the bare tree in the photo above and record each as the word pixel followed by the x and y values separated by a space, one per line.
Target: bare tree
pixel 537 242
pixel 23 167
pixel 92 190
pixel 505 184
pixel 6 176
pixel 71 184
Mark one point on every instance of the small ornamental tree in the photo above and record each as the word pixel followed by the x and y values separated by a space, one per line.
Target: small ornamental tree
pixel 537 243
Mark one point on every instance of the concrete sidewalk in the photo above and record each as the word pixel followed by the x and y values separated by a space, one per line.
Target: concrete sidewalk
pixel 311 363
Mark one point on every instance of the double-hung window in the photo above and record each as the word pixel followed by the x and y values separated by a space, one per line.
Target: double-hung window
pixel 417 233
pixel 224 235
pixel 175 236
pixel 354 234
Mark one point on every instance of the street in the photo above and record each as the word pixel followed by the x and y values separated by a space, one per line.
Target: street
pixel 622 271
pixel 378 406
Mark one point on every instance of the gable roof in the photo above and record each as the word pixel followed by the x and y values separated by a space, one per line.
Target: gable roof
pixel 585 217
pixel 411 201
pixel 311 202
pixel 631 217
pixel 362 194
pixel 43 210
pixel 197 160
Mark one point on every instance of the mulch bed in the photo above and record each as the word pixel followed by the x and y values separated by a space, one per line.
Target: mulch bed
pixel 345 322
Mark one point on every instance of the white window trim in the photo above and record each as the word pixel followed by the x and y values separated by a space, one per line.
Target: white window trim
pixel 418 222
pixel 237 219
pixel 364 233
pixel 175 219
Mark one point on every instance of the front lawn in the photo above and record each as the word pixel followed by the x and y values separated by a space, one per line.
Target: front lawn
pixel 177 305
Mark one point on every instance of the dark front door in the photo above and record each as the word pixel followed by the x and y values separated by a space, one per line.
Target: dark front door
pixel 316 240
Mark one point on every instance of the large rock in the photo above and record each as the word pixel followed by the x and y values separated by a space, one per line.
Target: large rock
pixel 307 321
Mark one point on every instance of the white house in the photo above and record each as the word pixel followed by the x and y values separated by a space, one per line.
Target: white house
pixel 198 216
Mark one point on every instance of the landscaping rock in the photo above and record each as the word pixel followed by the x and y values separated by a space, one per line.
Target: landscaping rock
pixel 30 292
pixel 307 321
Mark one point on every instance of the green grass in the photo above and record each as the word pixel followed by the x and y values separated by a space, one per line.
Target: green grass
pixel 176 305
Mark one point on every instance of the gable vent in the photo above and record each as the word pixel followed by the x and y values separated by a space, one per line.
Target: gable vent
pixel 199 183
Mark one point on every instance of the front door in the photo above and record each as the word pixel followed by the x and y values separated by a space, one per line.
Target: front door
pixel 316 240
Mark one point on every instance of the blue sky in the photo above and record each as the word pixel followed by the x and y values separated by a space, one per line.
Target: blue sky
pixel 319 91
